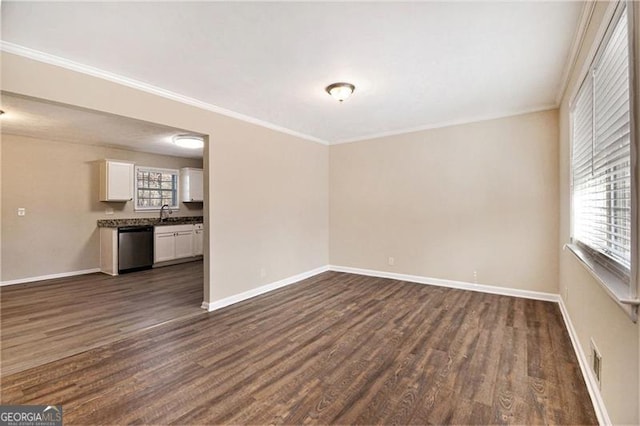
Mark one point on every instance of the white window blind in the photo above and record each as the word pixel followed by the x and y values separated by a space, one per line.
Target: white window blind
pixel 601 154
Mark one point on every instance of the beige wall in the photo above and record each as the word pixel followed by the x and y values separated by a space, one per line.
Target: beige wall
pixel 593 313
pixel 482 196
pixel 267 191
pixel 447 202
pixel 269 208
pixel 58 184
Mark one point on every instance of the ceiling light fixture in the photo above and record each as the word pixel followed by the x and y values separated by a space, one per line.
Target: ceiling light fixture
pixel 188 141
pixel 340 91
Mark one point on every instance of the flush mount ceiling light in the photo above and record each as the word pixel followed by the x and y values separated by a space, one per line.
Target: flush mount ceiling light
pixel 340 91
pixel 188 141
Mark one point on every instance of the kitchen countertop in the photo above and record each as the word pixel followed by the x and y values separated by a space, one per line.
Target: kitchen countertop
pixel 148 221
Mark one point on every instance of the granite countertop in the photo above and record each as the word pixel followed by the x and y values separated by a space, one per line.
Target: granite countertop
pixel 148 221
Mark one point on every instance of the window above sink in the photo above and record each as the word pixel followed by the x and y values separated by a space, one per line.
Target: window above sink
pixel 155 187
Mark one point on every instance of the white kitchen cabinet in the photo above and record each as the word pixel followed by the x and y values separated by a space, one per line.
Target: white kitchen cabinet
pixel 192 185
pixel 198 239
pixel 116 180
pixel 109 251
pixel 172 242
pixel 164 247
pixel 184 244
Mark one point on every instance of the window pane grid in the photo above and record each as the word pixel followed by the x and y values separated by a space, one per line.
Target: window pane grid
pixel 155 188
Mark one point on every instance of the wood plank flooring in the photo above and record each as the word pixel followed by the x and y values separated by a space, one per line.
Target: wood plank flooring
pixel 334 349
pixel 42 322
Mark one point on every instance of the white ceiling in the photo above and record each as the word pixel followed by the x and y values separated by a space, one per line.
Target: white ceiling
pixel 51 121
pixel 414 65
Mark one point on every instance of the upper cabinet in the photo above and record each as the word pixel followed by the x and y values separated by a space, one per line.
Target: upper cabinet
pixel 192 188
pixel 116 181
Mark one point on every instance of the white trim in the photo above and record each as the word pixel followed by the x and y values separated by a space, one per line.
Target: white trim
pixel 597 41
pixel 219 304
pixel 589 378
pixel 468 120
pixel 145 87
pixel 50 277
pixel 615 288
pixel 483 288
pixel 576 47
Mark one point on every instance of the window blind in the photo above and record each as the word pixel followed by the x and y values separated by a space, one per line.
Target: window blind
pixel 601 154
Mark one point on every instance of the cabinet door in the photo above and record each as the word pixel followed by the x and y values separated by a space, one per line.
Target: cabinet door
pixel 164 247
pixel 192 185
pixel 198 240
pixel 184 244
pixel 119 181
pixel 196 184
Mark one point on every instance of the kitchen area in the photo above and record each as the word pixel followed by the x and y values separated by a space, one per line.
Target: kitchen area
pixel 75 181
pixel 134 244
pixel 103 230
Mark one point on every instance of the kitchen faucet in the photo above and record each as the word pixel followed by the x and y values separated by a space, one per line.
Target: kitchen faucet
pixel 164 216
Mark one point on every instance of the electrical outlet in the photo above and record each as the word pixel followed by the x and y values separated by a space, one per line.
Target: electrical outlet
pixel 263 272
pixel 108 210
pixel 475 277
pixel 22 211
pixel 392 261
pixel 566 294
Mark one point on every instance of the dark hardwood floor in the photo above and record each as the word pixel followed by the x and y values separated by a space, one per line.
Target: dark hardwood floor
pixel 333 349
pixel 45 321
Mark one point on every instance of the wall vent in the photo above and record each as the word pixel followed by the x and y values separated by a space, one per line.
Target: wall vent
pixel 596 362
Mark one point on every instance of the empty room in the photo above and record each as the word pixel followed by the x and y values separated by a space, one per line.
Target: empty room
pixel 319 212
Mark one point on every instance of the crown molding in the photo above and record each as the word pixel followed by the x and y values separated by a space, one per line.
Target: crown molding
pixel 148 88
pixel 145 87
pixel 469 120
pixel 576 47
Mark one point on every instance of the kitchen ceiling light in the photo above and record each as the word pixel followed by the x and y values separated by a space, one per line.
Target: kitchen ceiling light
pixel 188 141
pixel 340 91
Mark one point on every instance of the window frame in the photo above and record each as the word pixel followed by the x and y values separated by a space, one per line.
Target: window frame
pixel 175 172
pixel 620 286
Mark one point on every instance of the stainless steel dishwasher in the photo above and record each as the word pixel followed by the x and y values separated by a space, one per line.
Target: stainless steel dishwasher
pixel 135 248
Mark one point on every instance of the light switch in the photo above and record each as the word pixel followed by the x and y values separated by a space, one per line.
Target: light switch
pixel 22 211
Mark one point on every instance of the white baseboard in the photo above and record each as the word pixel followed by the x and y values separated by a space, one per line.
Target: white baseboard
pixel 219 304
pixel 49 277
pixel 583 361
pixel 483 288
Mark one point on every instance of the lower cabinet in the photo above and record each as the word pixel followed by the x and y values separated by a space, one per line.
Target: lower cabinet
pixel 184 243
pixel 109 251
pixel 164 246
pixel 176 242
